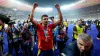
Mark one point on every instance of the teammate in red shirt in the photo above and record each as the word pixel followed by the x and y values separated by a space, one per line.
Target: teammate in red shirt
pixel 44 31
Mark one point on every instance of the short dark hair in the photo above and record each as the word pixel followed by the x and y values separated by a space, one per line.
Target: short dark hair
pixel 51 17
pixel 44 16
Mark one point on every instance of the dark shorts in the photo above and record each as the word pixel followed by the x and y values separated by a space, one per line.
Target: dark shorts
pixel 45 52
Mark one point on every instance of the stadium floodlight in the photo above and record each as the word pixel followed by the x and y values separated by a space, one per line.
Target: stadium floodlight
pixel 41 9
pixel 14 3
pixel 17 4
pixel 81 1
pixel 14 9
pixel 67 7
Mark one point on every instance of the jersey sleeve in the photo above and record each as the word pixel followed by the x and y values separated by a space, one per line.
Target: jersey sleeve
pixel 52 26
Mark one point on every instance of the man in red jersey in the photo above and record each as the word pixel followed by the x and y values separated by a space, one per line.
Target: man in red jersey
pixel 44 31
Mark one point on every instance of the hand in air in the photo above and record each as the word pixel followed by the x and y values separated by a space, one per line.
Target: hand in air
pixel 35 5
pixel 57 6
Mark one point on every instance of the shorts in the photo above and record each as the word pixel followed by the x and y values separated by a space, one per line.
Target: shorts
pixel 45 52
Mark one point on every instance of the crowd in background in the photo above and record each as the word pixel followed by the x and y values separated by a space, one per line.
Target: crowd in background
pixel 25 34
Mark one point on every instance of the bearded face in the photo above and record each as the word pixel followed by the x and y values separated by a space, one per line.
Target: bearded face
pixel 45 20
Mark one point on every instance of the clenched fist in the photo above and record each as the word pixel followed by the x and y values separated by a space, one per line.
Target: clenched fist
pixel 57 6
pixel 35 5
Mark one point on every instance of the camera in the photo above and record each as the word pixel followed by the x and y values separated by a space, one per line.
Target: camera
pixel 11 22
pixel 4 18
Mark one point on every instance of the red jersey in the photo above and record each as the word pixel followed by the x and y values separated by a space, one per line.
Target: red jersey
pixel 45 36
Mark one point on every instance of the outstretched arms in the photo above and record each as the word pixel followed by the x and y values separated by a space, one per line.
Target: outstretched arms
pixel 57 6
pixel 60 18
pixel 32 14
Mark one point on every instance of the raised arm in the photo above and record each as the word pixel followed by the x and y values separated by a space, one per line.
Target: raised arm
pixel 32 14
pixel 60 18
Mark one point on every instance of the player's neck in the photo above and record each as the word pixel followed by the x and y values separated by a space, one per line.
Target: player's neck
pixel 44 25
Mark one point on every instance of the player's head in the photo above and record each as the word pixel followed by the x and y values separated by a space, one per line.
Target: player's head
pixel 44 19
